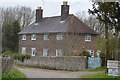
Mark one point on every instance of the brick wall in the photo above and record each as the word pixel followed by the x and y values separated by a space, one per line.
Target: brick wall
pixel 64 62
pixel 68 44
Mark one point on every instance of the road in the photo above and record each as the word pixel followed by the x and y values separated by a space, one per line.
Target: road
pixel 44 73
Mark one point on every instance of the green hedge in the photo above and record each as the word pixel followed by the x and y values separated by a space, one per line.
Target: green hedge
pixel 21 57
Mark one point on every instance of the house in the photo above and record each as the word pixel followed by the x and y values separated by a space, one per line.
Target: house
pixel 57 36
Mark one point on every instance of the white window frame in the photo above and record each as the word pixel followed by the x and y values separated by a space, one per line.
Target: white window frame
pixel 59 37
pixel 45 52
pixel 88 37
pixel 59 52
pixel 34 51
pixel 46 37
pixel 23 50
pixel 33 37
pixel 24 37
pixel 91 52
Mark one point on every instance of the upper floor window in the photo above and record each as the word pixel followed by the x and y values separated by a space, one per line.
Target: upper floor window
pixel 33 37
pixel 59 37
pixel 59 52
pixel 23 37
pixel 23 50
pixel 34 51
pixel 88 37
pixel 46 37
pixel 45 52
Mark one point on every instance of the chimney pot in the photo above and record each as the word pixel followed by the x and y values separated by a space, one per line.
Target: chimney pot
pixel 65 2
pixel 39 7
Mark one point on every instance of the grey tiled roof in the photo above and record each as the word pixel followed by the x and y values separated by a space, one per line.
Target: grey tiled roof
pixel 55 25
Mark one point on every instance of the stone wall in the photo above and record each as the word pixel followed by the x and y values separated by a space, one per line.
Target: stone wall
pixel 68 62
pixel 7 63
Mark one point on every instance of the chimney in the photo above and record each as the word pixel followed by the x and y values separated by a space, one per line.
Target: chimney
pixel 39 14
pixel 64 11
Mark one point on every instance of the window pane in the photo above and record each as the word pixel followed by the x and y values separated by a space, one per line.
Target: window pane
pixel 34 51
pixel 59 52
pixel 46 37
pixel 23 37
pixel 33 37
pixel 88 38
pixel 45 52
pixel 59 37
pixel 23 50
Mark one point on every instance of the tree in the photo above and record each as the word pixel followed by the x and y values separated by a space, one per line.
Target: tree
pixel 92 22
pixel 13 20
pixel 24 15
pixel 108 13
pixel 10 36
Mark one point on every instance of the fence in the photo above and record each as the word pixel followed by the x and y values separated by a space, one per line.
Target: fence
pixel 94 62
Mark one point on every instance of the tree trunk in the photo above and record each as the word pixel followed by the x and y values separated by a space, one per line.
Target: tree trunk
pixel 116 52
pixel 107 42
pixel 107 45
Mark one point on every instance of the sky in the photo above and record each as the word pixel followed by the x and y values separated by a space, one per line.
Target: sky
pixel 50 7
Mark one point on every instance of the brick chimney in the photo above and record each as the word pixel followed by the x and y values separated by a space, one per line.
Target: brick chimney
pixel 64 11
pixel 39 14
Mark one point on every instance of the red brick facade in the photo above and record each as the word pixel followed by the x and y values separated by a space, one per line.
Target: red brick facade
pixel 68 44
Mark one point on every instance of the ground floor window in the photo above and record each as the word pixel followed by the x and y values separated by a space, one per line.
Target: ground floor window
pixel 45 52
pixel 23 50
pixel 59 52
pixel 91 52
pixel 34 51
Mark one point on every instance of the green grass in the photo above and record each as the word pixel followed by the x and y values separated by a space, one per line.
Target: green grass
pixel 13 74
pixel 99 75
pixel 98 69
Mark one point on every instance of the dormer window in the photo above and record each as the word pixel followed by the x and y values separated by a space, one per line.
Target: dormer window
pixel 23 37
pixel 88 37
pixel 33 37
pixel 46 37
pixel 59 37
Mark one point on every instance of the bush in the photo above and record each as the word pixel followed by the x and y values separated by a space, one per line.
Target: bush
pixel 7 53
pixel 85 53
pixel 21 57
pixel 13 74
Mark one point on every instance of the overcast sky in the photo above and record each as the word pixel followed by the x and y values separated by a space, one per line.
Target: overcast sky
pixel 51 7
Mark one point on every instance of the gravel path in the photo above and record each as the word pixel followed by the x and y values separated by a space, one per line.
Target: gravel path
pixel 44 73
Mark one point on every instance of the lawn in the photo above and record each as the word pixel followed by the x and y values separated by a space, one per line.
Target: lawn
pixel 98 69
pixel 13 75
pixel 100 76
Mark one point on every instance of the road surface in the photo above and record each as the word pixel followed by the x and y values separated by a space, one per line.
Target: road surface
pixel 44 73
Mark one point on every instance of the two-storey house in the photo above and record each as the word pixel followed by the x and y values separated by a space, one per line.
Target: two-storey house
pixel 57 36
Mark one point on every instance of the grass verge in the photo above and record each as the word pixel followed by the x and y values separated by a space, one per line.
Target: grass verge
pixel 13 74
pixel 52 68
pixel 98 69
pixel 97 76
pixel 45 67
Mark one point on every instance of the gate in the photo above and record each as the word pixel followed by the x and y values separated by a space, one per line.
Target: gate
pixel 94 62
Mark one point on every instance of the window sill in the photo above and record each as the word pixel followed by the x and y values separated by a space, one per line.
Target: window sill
pixel 33 39
pixel 59 39
pixel 87 41
pixel 46 39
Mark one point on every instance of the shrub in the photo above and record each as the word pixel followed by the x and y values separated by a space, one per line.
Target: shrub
pixel 7 53
pixel 21 57
pixel 85 53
